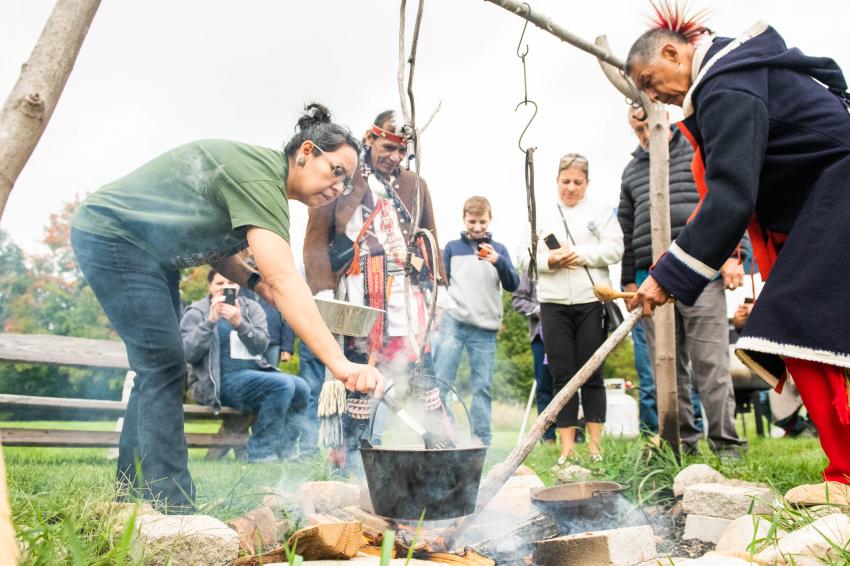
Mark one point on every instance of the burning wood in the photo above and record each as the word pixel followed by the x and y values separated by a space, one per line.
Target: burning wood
pixel 468 557
pixel 257 526
pixel 326 541
pixel 517 543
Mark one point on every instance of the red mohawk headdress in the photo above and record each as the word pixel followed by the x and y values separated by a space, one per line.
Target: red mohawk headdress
pixel 675 16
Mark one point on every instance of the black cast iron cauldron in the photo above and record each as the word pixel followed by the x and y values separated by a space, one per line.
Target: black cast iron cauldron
pixel 405 480
pixel 577 500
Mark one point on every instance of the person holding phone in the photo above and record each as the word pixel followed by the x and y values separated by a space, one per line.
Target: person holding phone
pixel 224 339
pixel 201 203
pixel 581 239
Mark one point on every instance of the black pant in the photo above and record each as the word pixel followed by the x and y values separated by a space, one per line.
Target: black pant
pixel 571 334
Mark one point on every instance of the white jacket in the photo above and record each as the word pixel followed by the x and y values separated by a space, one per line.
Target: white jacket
pixel 598 244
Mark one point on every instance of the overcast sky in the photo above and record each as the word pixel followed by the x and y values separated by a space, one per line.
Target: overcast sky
pixel 154 74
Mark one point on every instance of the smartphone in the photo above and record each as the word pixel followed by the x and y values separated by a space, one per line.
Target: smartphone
pixel 230 295
pixel 482 250
pixel 749 300
pixel 551 241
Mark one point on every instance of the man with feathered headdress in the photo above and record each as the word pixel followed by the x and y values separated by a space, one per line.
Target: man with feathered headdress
pixel 356 247
pixel 771 132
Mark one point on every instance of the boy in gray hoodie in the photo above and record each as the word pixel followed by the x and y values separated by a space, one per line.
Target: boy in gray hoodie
pixel 478 268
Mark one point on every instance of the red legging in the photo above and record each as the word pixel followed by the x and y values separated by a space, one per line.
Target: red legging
pixel 816 383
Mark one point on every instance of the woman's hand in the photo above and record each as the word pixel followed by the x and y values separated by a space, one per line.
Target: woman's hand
pixel 649 295
pixel 571 260
pixel 561 257
pixel 361 377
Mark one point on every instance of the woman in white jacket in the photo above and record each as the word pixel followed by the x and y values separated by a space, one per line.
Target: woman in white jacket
pixel 588 241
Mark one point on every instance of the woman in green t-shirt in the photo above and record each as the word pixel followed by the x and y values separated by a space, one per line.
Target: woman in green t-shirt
pixel 201 203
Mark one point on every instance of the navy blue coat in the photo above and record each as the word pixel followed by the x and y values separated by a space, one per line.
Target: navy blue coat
pixel 772 154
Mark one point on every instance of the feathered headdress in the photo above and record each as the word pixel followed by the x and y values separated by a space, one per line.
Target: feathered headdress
pixel 675 16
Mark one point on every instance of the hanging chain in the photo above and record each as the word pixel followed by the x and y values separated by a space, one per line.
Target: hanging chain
pixel 529 155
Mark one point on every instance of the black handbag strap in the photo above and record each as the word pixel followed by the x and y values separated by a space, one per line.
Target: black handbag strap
pixel 570 236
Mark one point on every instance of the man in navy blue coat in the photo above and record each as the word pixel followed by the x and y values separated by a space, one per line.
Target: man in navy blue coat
pixel 771 134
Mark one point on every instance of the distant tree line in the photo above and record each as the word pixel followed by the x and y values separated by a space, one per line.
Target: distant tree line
pixel 46 294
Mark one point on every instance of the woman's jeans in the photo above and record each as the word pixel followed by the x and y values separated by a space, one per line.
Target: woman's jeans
pixel 140 296
pixel 279 402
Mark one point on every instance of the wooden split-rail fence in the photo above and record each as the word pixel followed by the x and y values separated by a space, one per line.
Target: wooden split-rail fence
pixel 89 353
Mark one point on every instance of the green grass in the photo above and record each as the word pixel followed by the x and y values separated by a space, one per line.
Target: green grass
pixel 57 493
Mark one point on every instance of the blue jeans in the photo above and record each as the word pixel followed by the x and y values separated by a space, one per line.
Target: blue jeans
pixel 140 296
pixel 647 407
pixel 480 344
pixel 279 402
pixel 272 355
pixel 312 371
pixel 544 382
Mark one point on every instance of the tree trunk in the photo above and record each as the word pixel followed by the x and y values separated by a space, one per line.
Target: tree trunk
pixel 666 393
pixel 31 103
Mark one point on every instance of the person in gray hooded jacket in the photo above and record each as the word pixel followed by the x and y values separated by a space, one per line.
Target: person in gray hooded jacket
pixel 224 345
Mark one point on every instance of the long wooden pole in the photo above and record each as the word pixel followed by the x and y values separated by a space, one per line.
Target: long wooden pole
pixel 31 103
pixel 546 24
pixel 8 548
pixel 666 391
pixel 501 473
pixel 665 334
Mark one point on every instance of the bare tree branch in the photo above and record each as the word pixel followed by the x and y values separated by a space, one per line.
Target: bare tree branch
pixel 31 103
pixel 546 24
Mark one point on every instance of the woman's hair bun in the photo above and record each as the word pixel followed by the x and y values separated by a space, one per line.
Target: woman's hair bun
pixel 314 113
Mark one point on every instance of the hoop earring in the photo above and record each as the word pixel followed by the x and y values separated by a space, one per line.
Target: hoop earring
pixel 300 161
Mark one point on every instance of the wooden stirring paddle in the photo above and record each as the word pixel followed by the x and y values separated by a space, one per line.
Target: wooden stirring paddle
pixel 606 293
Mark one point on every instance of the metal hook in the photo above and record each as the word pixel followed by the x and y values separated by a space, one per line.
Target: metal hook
pixel 521 37
pixel 530 120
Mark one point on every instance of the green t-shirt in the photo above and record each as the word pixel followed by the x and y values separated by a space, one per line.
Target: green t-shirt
pixel 192 205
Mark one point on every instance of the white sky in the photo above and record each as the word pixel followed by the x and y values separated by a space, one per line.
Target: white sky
pixel 154 74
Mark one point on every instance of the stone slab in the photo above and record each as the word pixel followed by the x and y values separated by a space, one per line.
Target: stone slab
pixel 614 547
pixel 695 474
pixel 706 529
pixel 809 544
pixel 742 532
pixel 325 496
pixel 726 501
pixel 188 540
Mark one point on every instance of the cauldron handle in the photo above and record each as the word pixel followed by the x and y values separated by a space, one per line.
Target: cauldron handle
pixel 387 390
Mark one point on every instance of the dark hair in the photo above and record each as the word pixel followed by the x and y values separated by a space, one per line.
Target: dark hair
pixel 383 117
pixel 211 274
pixel 646 46
pixel 315 125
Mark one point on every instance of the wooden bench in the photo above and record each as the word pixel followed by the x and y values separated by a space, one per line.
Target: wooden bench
pixel 85 352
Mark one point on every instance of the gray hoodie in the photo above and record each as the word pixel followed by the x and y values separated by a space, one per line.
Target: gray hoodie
pixel 201 345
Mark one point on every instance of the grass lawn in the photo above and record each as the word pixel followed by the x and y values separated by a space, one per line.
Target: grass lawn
pixel 55 492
